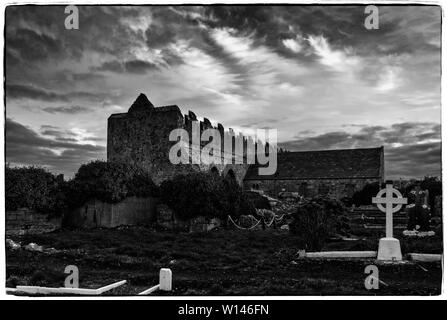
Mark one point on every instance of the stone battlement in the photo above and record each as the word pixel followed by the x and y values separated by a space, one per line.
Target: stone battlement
pixel 141 136
pixel 145 106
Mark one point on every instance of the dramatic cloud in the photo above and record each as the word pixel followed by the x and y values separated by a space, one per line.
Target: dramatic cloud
pixel 307 69
pixel 295 45
pixel 66 109
pixel 132 66
pixel 24 146
pixel 17 91
pixel 334 59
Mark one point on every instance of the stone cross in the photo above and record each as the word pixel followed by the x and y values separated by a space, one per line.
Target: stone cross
pixel 389 201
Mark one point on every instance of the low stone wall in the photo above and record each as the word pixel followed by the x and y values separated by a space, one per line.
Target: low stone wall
pixel 167 220
pixel 95 213
pixel 333 188
pixel 26 221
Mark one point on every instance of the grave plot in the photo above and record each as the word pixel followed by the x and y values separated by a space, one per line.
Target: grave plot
pixel 233 261
pixel 223 262
pixel 389 201
pixel 373 218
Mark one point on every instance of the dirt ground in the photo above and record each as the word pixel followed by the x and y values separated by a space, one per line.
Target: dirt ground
pixel 223 262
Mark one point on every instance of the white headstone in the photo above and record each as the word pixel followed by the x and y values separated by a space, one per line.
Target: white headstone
pixel 165 279
pixel 389 247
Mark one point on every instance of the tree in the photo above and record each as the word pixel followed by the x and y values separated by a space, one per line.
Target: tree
pixel 109 182
pixel 204 194
pixel 317 219
pixel 34 188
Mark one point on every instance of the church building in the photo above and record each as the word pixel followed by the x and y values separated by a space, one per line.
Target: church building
pixel 333 173
pixel 141 136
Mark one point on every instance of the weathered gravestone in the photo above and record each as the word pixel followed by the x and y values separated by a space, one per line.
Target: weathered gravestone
pixel 389 247
pixel 418 211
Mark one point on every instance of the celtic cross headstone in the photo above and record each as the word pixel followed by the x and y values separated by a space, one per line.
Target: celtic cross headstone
pixel 389 247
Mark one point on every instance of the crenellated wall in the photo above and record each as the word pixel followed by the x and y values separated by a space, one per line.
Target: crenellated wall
pixel 141 136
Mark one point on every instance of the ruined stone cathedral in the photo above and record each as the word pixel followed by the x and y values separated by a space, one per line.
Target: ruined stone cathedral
pixel 141 136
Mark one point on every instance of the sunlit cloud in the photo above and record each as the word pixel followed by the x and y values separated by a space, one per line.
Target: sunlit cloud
pixel 293 45
pixel 389 80
pixel 339 60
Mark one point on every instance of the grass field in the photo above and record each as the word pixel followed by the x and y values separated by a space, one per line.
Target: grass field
pixel 223 262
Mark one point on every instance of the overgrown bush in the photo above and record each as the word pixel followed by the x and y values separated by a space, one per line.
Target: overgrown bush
pixel 235 199
pixel 203 194
pixel 110 182
pixel 317 219
pixel 259 201
pixel 33 188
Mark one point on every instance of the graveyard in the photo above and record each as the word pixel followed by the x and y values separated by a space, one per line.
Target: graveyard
pixel 219 262
pixel 315 246
pixel 323 224
pixel 203 234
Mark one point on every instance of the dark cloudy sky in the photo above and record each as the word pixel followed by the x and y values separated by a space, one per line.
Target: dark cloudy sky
pixel 313 72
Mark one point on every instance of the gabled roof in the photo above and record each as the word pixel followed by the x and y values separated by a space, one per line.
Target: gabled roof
pixel 142 103
pixel 327 164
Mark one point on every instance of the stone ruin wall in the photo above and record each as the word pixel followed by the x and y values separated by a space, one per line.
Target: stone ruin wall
pixel 96 213
pixel 27 221
pixel 142 137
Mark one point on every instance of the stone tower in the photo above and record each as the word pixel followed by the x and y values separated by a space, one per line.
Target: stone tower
pixel 141 136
